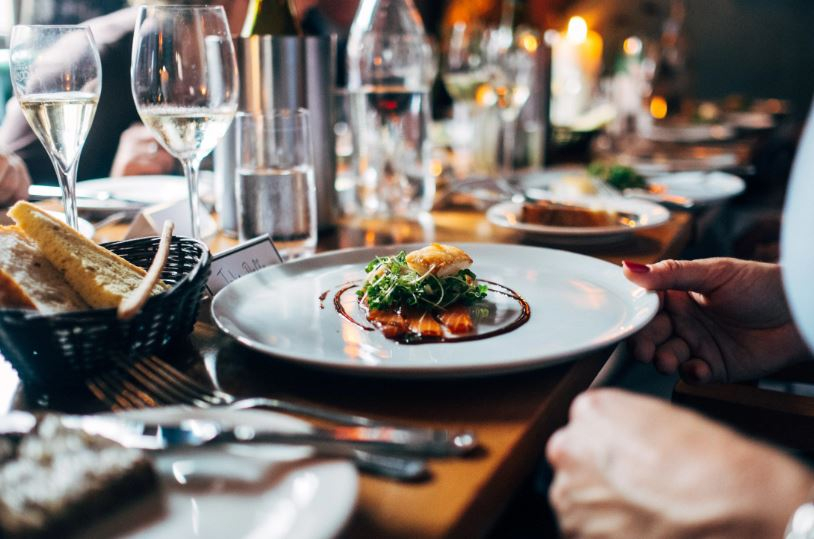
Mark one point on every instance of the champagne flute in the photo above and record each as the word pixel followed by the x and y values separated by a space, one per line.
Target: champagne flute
pixel 184 82
pixel 57 78
pixel 510 60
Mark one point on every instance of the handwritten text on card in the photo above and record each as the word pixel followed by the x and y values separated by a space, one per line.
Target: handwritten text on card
pixel 244 259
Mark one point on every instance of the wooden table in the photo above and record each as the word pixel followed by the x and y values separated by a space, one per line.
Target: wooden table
pixel 513 415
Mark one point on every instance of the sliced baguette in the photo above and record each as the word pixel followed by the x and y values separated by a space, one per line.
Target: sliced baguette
pixel 29 281
pixel 101 277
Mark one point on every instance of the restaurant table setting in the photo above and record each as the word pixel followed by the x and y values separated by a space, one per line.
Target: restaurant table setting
pixel 296 373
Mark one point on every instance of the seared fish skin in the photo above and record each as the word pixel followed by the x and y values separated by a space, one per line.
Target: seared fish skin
pixel 440 260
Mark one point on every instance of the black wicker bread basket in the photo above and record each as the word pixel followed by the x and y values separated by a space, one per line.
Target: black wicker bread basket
pixel 64 349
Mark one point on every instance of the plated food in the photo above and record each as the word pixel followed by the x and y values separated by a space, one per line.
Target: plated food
pixel 55 479
pixel 423 294
pixel 426 295
pixel 549 213
pixel 577 303
pixel 580 221
pixel 618 176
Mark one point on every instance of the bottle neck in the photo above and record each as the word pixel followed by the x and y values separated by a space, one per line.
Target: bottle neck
pixel 391 17
pixel 507 14
pixel 271 17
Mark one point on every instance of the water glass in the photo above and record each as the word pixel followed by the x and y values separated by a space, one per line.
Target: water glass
pixel 275 190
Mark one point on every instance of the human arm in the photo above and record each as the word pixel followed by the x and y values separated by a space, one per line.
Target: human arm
pixel 14 179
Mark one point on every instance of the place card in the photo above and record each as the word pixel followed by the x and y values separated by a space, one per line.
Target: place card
pixel 150 220
pixel 234 263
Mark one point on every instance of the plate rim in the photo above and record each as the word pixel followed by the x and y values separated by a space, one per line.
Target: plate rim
pixel 494 212
pixel 704 200
pixel 423 371
pixel 344 511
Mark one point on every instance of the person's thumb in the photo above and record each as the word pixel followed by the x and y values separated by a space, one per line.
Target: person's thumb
pixel 688 275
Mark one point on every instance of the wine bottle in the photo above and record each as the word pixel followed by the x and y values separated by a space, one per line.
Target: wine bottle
pixel 275 17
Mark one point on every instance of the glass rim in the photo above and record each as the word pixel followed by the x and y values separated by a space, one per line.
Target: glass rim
pixel 82 26
pixel 182 7
pixel 284 113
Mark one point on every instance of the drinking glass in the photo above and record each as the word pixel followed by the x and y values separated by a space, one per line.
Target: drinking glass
pixel 57 78
pixel 185 84
pixel 276 193
pixel 510 65
pixel 464 68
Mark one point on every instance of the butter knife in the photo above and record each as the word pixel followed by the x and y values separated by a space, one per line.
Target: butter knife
pixel 197 433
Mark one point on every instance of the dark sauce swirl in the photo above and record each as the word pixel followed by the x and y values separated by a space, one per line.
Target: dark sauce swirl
pixel 411 338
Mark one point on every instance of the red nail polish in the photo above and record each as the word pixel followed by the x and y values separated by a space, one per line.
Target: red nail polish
pixel 635 267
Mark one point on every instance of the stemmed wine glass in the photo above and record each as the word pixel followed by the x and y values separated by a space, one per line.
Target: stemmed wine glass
pixel 57 78
pixel 184 81
pixel 464 69
pixel 511 67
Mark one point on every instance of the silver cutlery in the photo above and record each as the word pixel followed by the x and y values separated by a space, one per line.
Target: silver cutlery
pixel 149 435
pixel 153 382
pixel 136 435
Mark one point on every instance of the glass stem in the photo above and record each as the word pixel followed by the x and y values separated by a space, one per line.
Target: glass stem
pixel 191 167
pixel 507 166
pixel 67 181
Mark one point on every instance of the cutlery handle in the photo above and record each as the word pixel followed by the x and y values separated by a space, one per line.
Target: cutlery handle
pixel 390 440
pixel 400 468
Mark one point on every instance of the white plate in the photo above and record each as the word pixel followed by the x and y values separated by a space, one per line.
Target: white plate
pixel 239 490
pixel 577 304
pixel 85 228
pixel 508 215
pixel 701 187
pixel 145 190
pixel 689 133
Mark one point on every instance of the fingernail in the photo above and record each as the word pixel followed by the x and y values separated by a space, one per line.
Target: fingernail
pixel 635 267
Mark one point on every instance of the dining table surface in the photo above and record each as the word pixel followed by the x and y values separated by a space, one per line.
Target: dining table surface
pixel 512 414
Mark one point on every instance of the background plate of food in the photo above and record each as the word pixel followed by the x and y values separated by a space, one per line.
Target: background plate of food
pixel 696 188
pixel 579 220
pixel 434 311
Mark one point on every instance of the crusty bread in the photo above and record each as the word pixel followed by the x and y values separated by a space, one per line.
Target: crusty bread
pixel 543 212
pixel 100 277
pixel 29 281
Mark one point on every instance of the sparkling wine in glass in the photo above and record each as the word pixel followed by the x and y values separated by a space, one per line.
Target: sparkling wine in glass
pixel 57 78
pixel 185 85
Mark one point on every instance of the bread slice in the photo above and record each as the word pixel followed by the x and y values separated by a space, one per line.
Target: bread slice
pixel 29 281
pixel 100 277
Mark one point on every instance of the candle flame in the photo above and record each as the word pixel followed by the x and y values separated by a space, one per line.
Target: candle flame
pixel 577 30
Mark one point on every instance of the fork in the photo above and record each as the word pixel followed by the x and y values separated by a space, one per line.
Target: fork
pixel 121 394
pixel 161 383
pixel 152 382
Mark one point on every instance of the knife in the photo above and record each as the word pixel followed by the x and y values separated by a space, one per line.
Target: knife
pixel 199 433
pixel 137 436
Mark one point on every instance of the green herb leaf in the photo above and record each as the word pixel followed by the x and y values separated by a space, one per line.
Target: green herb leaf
pixel 391 284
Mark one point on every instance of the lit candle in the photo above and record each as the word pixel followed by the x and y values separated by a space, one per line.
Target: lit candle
pixel 576 64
